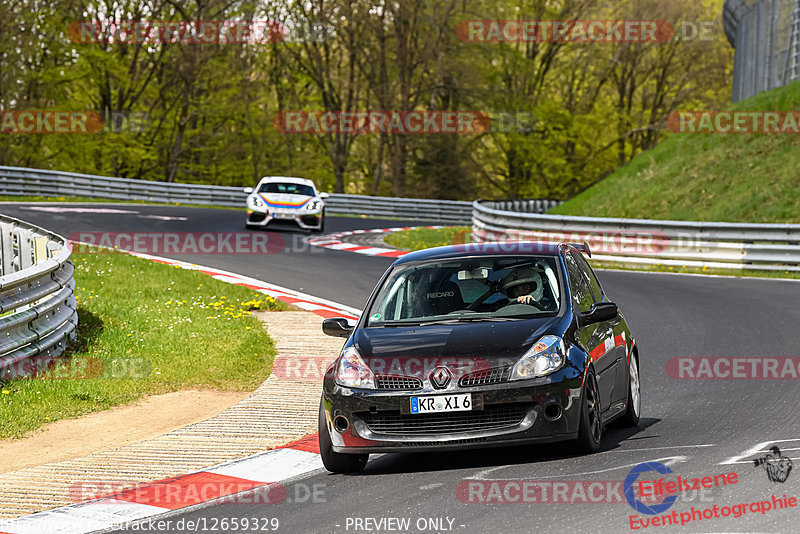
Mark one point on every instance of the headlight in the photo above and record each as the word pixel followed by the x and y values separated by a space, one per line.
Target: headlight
pixel 352 372
pixel 545 357
pixel 255 201
pixel 313 205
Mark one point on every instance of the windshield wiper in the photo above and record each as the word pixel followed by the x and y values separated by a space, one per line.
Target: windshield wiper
pixel 470 319
pixel 453 320
pixel 395 324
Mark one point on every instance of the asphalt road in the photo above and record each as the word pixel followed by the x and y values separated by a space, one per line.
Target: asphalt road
pixel 691 425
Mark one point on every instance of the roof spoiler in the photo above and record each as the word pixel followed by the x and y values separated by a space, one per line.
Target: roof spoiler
pixel 583 248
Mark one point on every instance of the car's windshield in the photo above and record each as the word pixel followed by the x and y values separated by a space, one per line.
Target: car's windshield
pixel 292 189
pixel 469 289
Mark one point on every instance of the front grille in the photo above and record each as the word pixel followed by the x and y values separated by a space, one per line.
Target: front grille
pixel 310 220
pixel 486 376
pixel 492 418
pixel 448 442
pixel 257 216
pixel 396 382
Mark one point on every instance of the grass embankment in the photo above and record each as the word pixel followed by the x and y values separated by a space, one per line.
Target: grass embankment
pixel 737 177
pixel 420 238
pixel 145 328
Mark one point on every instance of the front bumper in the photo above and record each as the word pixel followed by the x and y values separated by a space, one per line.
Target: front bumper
pixel 512 413
pixel 305 219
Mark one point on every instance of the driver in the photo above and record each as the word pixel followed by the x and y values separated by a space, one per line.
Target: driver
pixel 524 284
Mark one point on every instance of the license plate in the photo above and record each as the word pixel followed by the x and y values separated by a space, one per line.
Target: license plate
pixel 284 215
pixel 441 403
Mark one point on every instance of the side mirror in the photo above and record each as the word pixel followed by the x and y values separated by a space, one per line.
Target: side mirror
pixel 599 312
pixel 248 190
pixel 324 195
pixel 337 327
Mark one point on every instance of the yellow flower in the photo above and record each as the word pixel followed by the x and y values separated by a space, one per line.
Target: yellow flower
pixel 6 392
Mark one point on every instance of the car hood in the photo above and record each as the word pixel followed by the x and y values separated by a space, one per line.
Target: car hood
pixel 495 342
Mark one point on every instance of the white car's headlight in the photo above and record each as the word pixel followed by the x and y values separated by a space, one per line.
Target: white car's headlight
pixel 313 205
pixel 545 357
pixel 352 372
pixel 255 201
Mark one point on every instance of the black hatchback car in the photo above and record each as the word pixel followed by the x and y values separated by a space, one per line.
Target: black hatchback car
pixel 479 345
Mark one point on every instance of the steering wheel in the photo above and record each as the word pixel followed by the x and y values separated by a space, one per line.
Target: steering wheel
pixel 534 303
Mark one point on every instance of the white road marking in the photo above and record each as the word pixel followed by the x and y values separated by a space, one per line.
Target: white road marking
pixel 343 246
pixel 80 518
pixel 162 217
pixel 272 466
pixel 659 448
pixel 755 449
pixel 62 209
pixel 667 461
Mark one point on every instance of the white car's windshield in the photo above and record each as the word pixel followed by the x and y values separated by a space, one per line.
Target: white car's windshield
pixel 495 288
pixel 291 189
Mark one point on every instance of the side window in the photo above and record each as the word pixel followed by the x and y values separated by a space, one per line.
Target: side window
pixel 578 285
pixel 597 291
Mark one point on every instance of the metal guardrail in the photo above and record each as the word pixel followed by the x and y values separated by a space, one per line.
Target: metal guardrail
pixel 768 247
pixel 38 312
pixel 444 211
pixel 35 182
pixel 765 35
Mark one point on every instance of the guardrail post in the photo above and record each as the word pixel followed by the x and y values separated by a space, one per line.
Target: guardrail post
pixel 39 249
pixel 6 248
pixel 25 250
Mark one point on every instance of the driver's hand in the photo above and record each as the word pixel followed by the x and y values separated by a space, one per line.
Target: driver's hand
pixel 526 299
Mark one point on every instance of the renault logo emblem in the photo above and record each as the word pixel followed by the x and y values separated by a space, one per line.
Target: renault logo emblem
pixel 440 377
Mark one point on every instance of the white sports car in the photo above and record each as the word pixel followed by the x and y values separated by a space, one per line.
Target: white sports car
pixel 286 199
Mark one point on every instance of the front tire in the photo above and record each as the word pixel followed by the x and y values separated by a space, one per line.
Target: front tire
pixel 590 431
pixel 336 462
pixel 631 417
pixel 321 229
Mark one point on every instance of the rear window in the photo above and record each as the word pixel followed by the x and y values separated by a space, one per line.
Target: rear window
pixel 470 289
